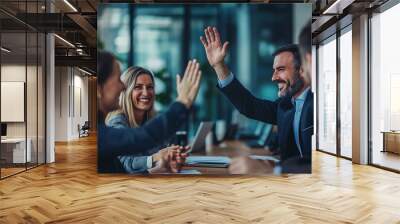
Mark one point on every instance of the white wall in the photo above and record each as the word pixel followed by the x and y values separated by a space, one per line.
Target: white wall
pixel 70 84
pixel 61 103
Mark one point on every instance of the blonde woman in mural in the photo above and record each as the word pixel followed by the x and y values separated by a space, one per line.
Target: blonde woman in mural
pixel 136 104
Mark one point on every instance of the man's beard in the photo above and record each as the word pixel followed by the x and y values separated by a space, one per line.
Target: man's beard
pixel 294 87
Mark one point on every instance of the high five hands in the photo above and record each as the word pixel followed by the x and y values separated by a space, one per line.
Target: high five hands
pixel 215 51
pixel 188 86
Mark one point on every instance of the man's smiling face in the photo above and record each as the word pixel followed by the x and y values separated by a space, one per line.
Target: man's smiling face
pixel 284 72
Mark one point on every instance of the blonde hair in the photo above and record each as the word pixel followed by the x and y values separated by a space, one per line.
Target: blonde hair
pixel 127 108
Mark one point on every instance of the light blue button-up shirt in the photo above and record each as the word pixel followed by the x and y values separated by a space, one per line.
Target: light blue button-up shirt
pixel 224 82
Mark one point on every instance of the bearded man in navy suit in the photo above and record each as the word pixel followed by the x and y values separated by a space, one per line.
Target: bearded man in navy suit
pixel 292 112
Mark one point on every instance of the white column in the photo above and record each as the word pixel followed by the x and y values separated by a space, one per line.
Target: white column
pixel 50 101
pixel 50 92
pixel 360 90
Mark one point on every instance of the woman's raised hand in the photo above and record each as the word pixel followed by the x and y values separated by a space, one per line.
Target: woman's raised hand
pixel 188 85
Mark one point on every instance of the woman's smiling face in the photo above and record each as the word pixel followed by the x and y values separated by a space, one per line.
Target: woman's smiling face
pixel 143 92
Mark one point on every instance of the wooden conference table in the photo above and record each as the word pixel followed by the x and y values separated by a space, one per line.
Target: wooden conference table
pixel 229 149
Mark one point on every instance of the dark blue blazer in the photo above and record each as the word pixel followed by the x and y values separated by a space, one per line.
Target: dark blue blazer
pixel 281 113
pixel 114 142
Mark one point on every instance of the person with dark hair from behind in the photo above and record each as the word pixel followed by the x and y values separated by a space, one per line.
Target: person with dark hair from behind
pixel 305 50
pixel 292 165
pixel 292 112
pixel 114 142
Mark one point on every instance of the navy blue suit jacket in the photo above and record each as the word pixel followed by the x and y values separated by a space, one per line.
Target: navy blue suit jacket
pixel 280 112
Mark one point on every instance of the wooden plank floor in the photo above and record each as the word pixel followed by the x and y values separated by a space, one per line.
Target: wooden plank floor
pixel 70 191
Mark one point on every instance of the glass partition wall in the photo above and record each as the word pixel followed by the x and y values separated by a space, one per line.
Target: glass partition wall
pixel 334 95
pixel 22 77
pixel 385 89
pixel 13 87
pixel 327 95
pixel 334 109
pixel 345 65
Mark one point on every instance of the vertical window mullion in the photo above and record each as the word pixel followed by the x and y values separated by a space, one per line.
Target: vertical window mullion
pixel 317 96
pixel 37 88
pixel 338 77
pixel 26 86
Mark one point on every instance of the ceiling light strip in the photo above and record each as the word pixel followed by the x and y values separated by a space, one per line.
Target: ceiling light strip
pixel 84 71
pixel 70 5
pixel 331 7
pixel 5 49
pixel 64 40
